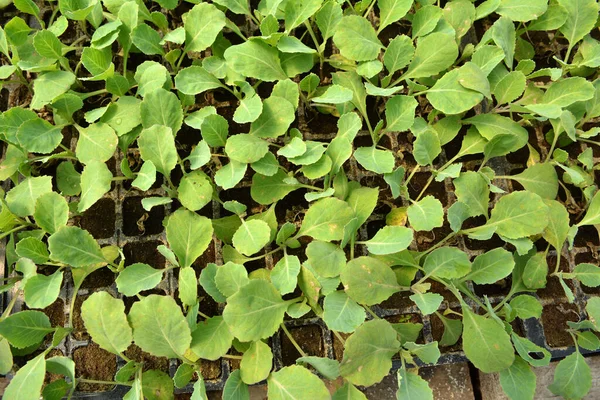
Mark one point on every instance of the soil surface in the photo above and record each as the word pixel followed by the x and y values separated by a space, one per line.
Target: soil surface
pixel 92 362
pixel 310 340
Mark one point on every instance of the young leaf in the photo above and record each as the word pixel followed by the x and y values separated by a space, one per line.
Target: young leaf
pixel 572 377
pixel 368 353
pixel 195 80
pixel 400 113
pixel 195 190
pixel 251 237
pixel 51 212
pixel 581 18
pixel 412 386
pixel 517 11
pixel 449 96
pixel 428 303
pixel 356 39
pixel 230 278
pixel 390 239
pixel 368 280
pixel 138 277
pixel 28 381
pixel 255 59
pixel 325 220
pixel 96 180
pixel 426 214
pixel 256 363
pixel 189 235
pixel 295 382
pixel 161 107
pixel 41 290
pixel 202 25
pixel 296 12
pixel 159 326
pixel 391 11
pixel 260 299
pixel 373 159
pixel 245 148
pixel 22 198
pixel 25 328
pixel 591 217
pixel 74 246
pixel 97 142
pixel 146 176
pixel 518 381
pixel 276 117
pixel 211 339
pixel 490 267
pixel 341 313
pixel 519 214
pixel 486 343
pixel 430 57
pixel 284 274
pixel 105 320
pixel 39 136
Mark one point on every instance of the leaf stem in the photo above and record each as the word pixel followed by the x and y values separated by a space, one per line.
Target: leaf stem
pixel 291 338
pixel 113 383
pixel 18 228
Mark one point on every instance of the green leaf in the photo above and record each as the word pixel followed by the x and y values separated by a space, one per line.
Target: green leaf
pixel 428 303
pixel 425 20
pixel 39 136
pixel 202 25
pixel 449 96
pixel 368 280
pixel 255 311
pixel 519 214
pixel 25 328
pixel 572 377
pixel 250 106
pixel 161 107
pixel 138 277
pixel 49 86
pixel 284 275
pixel 588 274
pixel 330 369
pixel 487 58
pixel 189 235
pixel 105 320
pixel 591 217
pixel 51 212
pixel 426 147
pixel 159 326
pixel 348 392
pixel 41 290
pixel 554 17
pixel 368 353
pixel 448 263
pixel 470 76
pixel 28 381
pixel 199 156
pixel 373 159
pixel 356 39
pixel 47 44
pixel 251 237
pixel 215 129
pixel 96 180
pixel 430 58
pixel 256 363
pixel 235 388
pixel 526 307
pixel 335 94
pixel 156 385
pixel 207 280
pixel 188 286
pixel 391 11
pixel 195 190
pixel 472 189
pixel 522 12
pixel 581 19
pixel 428 353
pixel 536 269
pixel 568 91
pixel 211 339
pixel 504 35
pixel 518 381
pixel 325 258
pixel 390 239
pixel 328 18
pixel 486 343
pixel 21 199
pixel 398 54
pixel 426 214
pixel 400 113
pixel 275 119
pixel 295 382
pixel 97 142
pixel 28 7
pixel 255 59
pixel 296 12
pixel 269 189
pixel 235 6
pixel 157 145
pixel 231 174
pixel 246 148
pixel 540 179
pixel 325 220
pixel 491 266
pixel 147 40
pixel 34 249
pixel 412 386
pixel 526 349
pixel 6 358
pixel 341 313
pixel 74 246
pixel 510 87
pixel 230 278
pixel 195 80
pixel 145 177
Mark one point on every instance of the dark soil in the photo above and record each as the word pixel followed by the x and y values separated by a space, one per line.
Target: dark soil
pixel 435 189
pixel 92 362
pixel 99 219
pixel 338 346
pixel 149 361
pixel 310 339
pixel 102 277
pixel 437 330
pixel 56 312
pixel 79 331
pixel 554 321
pixel 398 301
pixel 139 222
pixel 553 289
pixel 50 377
pixel 144 252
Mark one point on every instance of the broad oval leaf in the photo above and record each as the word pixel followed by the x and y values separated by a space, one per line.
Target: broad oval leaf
pixel 368 280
